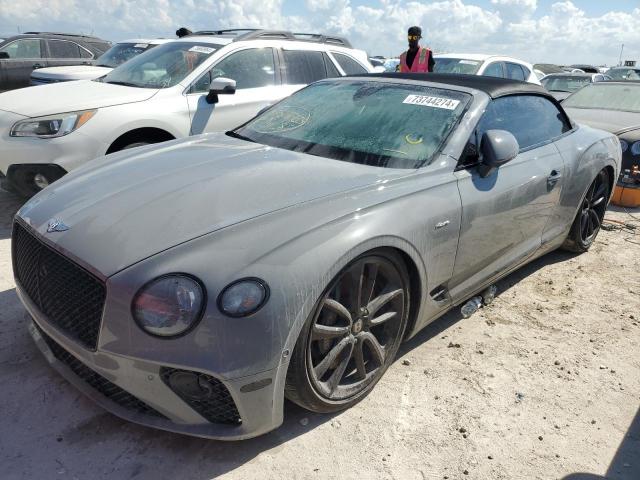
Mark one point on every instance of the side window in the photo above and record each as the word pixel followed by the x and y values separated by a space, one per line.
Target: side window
pixel 494 70
pixel 332 71
pixel 348 64
pixel 532 119
pixel 514 71
pixel 303 66
pixel 63 49
pixel 23 48
pixel 85 53
pixel 598 78
pixel 251 68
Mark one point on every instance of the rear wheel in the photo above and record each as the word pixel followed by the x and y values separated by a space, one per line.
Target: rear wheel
pixel 589 218
pixel 353 334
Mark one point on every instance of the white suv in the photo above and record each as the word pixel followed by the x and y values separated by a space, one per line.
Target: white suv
pixel 116 55
pixel 487 65
pixel 183 87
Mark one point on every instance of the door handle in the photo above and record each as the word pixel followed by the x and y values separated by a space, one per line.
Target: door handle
pixel 37 65
pixel 553 178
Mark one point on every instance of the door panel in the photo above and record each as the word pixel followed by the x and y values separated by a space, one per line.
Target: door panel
pixel 25 55
pixel 504 215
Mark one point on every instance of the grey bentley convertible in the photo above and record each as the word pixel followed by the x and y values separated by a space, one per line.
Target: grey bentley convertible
pixel 194 285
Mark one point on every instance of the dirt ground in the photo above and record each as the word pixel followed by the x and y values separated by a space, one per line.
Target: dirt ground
pixel 542 384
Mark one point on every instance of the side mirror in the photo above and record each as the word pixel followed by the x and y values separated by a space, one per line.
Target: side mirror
pixel 220 86
pixel 497 147
pixel 4 55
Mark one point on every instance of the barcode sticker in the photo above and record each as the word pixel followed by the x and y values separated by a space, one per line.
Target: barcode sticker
pixel 435 102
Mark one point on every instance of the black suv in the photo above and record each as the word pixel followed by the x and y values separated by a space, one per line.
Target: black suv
pixel 21 54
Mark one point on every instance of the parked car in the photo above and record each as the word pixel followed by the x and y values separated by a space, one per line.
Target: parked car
pixel 116 55
pixel 392 64
pixel 547 68
pixel 192 286
pixel 21 54
pixel 614 107
pixel 160 95
pixel 585 68
pixel 624 73
pixel 487 65
pixel 561 85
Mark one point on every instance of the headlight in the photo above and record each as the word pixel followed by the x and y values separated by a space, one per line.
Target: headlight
pixel 243 297
pixel 169 306
pixel 624 145
pixel 51 126
pixel 635 148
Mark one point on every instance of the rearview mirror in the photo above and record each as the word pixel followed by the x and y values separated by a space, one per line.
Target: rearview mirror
pixel 4 55
pixel 220 86
pixel 497 147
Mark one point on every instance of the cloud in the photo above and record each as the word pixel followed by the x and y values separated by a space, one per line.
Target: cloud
pixel 561 33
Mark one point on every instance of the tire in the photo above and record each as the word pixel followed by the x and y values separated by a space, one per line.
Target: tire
pixel 588 221
pixel 135 145
pixel 347 343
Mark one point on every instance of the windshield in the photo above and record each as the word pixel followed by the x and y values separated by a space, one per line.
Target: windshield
pixel 624 74
pixel 373 123
pixel 606 97
pixel 456 65
pixel 565 83
pixel 163 66
pixel 120 53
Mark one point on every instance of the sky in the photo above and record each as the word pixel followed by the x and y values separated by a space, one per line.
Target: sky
pixel 538 31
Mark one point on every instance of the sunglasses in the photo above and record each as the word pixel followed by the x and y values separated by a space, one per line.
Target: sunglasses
pixel 414 37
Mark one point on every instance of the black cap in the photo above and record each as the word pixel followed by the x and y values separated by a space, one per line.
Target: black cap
pixel 183 32
pixel 415 31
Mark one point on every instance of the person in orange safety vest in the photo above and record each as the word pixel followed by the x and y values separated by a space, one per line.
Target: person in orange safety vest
pixel 417 59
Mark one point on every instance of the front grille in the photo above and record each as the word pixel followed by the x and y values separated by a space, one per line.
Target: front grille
pixel 214 402
pixel 97 381
pixel 70 297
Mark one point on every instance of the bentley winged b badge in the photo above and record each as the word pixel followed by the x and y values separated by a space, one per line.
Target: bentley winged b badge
pixel 56 225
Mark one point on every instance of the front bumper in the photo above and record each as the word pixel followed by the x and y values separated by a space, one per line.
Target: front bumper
pixel 134 389
pixel 65 153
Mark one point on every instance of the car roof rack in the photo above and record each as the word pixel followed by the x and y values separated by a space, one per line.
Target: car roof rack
pixel 240 34
pixel 58 33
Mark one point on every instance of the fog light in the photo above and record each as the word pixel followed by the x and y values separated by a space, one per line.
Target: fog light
pixel 191 385
pixel 40 181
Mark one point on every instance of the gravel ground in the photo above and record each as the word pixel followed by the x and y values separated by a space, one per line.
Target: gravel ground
pixel 544 383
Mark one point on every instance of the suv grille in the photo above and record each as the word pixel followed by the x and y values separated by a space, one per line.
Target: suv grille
pixel 97 381
pixel 212 400
pixel 70 297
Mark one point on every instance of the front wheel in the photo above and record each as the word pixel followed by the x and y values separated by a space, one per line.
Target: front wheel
pixel 353 334
pixel 589 218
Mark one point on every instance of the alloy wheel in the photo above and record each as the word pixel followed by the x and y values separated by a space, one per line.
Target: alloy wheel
pixel 593 208
pixel 356 327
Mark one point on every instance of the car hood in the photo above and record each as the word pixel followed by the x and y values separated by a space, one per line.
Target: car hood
pixel 68 97
pixel 75 72
pixel 612 121
pixel 132 205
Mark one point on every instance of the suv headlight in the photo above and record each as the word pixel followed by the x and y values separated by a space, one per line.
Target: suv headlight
pixel 243 297
pixel 635 148
pixel 170 305
pixel 51 126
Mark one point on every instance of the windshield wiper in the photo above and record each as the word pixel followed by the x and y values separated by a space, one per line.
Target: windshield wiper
pixel 125 84
pixel 563 91
pixel 239 136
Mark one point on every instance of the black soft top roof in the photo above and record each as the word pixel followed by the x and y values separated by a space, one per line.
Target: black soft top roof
pixel 492 86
